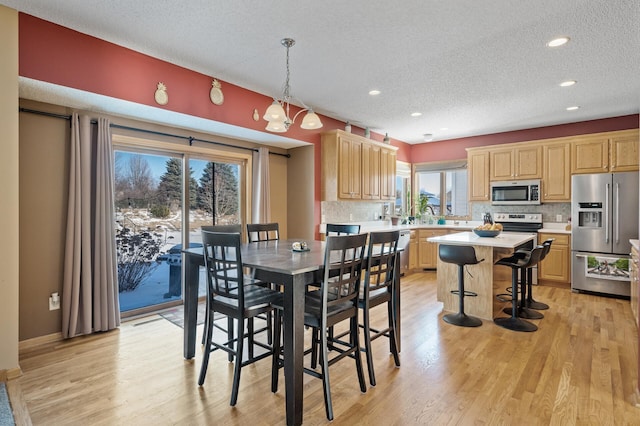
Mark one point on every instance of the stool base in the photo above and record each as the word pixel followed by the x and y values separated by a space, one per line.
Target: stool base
pixel 515 324
pixel 525 313
pixel 463 320
pixel 539 306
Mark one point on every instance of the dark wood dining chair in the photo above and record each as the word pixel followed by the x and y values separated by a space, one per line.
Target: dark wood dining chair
pixel 342 229
pixel 379 289
pixel 336 302
pixel 237 228
pixel 228 293
pixel 263 232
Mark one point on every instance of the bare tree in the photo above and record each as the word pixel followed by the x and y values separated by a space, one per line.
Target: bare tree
pixel 133 181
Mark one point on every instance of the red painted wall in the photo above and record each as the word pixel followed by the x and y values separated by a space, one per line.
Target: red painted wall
pixel 454 149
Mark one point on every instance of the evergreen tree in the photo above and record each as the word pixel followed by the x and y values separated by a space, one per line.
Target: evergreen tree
pixel 219 181
pixel 170 187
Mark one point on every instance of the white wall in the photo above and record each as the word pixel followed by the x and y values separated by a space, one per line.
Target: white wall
pixel 9 192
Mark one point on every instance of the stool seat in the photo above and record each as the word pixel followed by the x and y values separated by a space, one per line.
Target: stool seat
pixel 520 260
pixel 461 256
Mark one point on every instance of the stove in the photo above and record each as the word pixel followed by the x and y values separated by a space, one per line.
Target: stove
pixel 519 222
pixel 522 222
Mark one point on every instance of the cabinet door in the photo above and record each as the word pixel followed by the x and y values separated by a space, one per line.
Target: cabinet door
pixel 501 164
pixel 413 251
pixel 370 172
pixel 428 251
pixel 528 162
pixel 555 266
pixel 590 155
pixel 624 152
pixel 349 168
pixel 478 163
pixel 556 175
pixel 388 174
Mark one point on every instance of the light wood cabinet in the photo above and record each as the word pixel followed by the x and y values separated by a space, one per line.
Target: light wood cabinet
pixel 635 283
pixel 520 163
pixel 413 250
pixel 556 176
pixel 370 172
pixel 605 152
pixel 624 152
pixel 556 266
pixel 427 251
pixel 478 175
pixel 388 159
pixel 356 168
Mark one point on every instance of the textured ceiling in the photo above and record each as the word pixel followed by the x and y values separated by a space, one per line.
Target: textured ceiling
pixel 473 67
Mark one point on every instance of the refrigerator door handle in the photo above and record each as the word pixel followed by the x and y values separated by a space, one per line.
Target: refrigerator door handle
pixel 617 207
pixel 606 214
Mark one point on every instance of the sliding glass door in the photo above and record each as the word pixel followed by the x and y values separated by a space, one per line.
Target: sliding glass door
pixel 153 196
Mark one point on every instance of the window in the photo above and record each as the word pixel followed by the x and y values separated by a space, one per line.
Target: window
pixel 441 189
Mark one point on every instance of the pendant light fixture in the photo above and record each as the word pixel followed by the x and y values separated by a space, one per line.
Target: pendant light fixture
pixel 277 114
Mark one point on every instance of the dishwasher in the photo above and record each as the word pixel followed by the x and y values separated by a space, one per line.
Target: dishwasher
pixel 403 243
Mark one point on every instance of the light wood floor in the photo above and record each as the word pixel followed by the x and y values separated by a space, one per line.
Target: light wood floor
pixel 580 367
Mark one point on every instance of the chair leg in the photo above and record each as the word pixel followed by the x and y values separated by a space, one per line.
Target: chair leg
pixel 207 350
pixel 230 336
pixel 530 303
pixel 324 362
pixel 315 342
pixel 367 345
pixel 250 330
pixel 513 322
pixel 275 360
pixel 393 335
pixel 269 328
pixel 355 343
pixel 238 366
pixel 206 323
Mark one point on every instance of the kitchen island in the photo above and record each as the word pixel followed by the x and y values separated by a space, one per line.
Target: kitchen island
pixel 486 279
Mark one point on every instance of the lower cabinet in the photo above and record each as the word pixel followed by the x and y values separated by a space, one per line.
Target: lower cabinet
pixel 428 252
pixel 556 266
pixel 413 250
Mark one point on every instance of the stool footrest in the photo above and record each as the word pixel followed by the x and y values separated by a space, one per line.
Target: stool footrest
pixel 466 293
pixel 504 297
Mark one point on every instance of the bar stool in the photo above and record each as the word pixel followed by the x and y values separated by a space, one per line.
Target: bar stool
pixel 518 262
pixel 528 301
pixel 461 256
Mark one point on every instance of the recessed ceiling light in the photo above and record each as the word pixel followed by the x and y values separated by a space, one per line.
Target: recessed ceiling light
pixel 573 108
pixel 374 92
pixel 568 83
pixel 427 137
pixel 444 129
pixel 416 114
pixel 558 41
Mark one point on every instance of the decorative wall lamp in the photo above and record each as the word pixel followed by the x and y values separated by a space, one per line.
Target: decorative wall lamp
pixel 277 114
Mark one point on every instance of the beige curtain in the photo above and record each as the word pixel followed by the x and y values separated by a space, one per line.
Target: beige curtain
pixel 90 287
pixel 260 203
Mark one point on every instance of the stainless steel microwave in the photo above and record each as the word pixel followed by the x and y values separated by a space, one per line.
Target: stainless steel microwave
pixel 515 192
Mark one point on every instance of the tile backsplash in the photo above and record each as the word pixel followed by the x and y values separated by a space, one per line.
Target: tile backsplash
pixel 550 211
pixel 361 211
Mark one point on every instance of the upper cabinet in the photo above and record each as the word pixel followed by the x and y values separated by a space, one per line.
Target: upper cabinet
pixel 478 175
pixel 357 168
pixel 516 163
pixel 556 176
pixel 605 152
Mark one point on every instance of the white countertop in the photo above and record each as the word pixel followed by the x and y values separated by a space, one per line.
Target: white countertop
pixel 635 243
pixel 385 225
pixel 504 240
pixel 555 228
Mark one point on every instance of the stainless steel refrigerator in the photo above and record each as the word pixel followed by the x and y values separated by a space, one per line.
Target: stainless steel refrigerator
pixel 604 216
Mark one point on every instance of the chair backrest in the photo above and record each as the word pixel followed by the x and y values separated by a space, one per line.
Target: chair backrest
pixel 381 261
pixel 343 264
pixel 223 228
pixel 263 232
pixel 460 255
pixel 547 247
pixel 534 257
pixel 223 264
pixel 342 229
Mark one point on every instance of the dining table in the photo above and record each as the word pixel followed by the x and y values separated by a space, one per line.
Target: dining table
pixel 276 262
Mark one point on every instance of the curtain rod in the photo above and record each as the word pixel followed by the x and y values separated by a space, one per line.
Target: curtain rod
pixel 191 139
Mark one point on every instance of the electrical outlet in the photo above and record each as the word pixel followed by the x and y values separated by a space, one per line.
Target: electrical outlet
pixel 558 218
pixel 54 302
pixel 350 216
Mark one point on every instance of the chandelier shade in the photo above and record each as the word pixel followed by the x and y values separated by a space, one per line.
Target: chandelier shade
pixel 277 114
